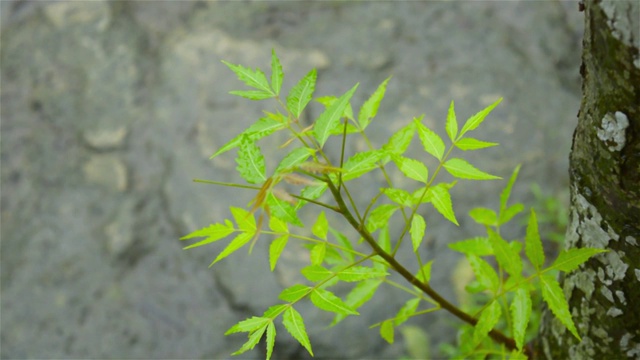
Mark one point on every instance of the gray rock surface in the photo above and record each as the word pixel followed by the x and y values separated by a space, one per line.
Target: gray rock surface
pixel 110 109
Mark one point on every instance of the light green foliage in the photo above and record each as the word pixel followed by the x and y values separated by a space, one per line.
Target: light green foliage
pixel 506 286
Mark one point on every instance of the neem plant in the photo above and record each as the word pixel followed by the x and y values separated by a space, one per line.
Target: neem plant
pixel 497 327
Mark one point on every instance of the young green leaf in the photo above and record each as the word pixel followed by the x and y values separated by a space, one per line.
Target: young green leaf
pixel 412 169
pixel 248 325
pixel 317 253
pixel 271 339
pixel 380 216
pixel 507 257
pixel 466 144
pixel 370 108
pixel 484 216
pixel 478 118
pixel 463 170
pixel 400 140
pixel 358 296
pixel 386 331
pixel 361 163
pixel 424 274
pixel 520 315
pixel 294 293
pixel 328 119
pixel 441 200
pixel 510 212
pixel 294 158
pixel 275 249
pixel 252 78
pixel 245 220
pixel 234 245
pixel 301 94
pixel 533 244
pixel 321 226
pixel 418 227
pixel 488 319
pixel 252 94
pixel 213 232
pixel 328 301
pixel 431 141
pixel 569 260
pixel 409 308
pixel 452 124
pixel 384 240
pixel 485 274
pixel 399 196
pixel 277 75
pixel 315 273
pixel 283 210
pixel 250 161
pixel 554 297
pixel 360 273
pixel 506 193
pixel 254 338
pixel 274 311
pixel 263 127
pixel 479 246
pixel 292 321
pixel 344 242
pixel 278 226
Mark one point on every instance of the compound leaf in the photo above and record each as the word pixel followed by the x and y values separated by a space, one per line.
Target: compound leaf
pixel 328 301
pixel 370 108
pixel 418 227
pixel 328 119
pixel 301 93
pixel 463 170
pixel 554 297
pixel 292 321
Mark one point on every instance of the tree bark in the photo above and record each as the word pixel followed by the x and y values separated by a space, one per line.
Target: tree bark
pixel 604 293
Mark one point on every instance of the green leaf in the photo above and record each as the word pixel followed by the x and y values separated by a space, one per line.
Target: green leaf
pixel 234 245
pixel 569 260
pixel 277 76
pixel 275 311
pixel 331 116
pixel 315 273
pixel 520 315
pixel 384 240
pixel 463 170
pixel 252 94
pixel 474 121
pixel 452 124
pixel 321 226
pixel 244 219
pixel 344 241
pixel 424 274
pixel 386 331
pixel 283 210
pixel 294 293
pixel 533 244
pixel 479 246
pixel 359 273
pixel 412 169
pixel 418 227
pixel 370 108
pixel 409 308
pixel 213 232
pixel 275 249
pixel 278 226
pixel 328 301
pixel 504 196
pixel 485 274
pixel 327 101
pixel 263 127
pixel 506 256
pixel 488 319
pixel 484 216
pixel 400 140
pixel 510 212
pixel 358 296
pixel 431 141
pixel 254 338
pixel 473 144
pixel 248 325
pixel 554 297
pixel 380 216
pixel 251 162
pixel 441 200
pixel 294 158
pixel 252 78
pixel 301 94
pixel 399 196
pixel 271 339
pixel 361 163
pixel 317 254
pixel 294 324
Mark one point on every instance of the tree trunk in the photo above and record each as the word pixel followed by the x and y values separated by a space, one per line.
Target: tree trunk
pixel 604 293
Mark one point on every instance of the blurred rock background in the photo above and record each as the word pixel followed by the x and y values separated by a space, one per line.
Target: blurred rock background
pixel 110 109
